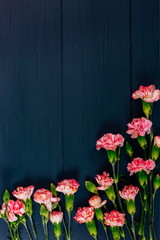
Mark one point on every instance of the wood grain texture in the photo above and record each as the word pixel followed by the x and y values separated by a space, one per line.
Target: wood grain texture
pixel 67 71
pixel 30 95
pixel 95 62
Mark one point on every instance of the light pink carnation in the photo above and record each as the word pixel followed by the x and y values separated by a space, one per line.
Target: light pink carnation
pixel 110 141
pixel 13 207
pixel 157 141
pixel 129 192
pixel 138 164
pixel 84 215
pixel 105 181
pixel 148 94
pixel 68 186
pixel 23 193
pixel 96 202
pixel 139 127
pixel 56 217
pixel 114 219
pixel 44 196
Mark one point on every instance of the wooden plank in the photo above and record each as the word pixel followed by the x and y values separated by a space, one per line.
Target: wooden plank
pixel 96 80
pixel 145 62
pixel 30 95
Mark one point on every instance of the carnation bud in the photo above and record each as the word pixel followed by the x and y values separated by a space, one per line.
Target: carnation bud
pixel 142 142
pixel 91 187
pixel 6 196
pixel 146 108
pixel 131 207
pixel 111 193
pixel 143 179
pixel 99 214
pixel 53 190
pixel 156 182
pixel 115 233
pixel 129 149
pixel 111 156
pixel 69 199
pixel 155 152
pixel 91 226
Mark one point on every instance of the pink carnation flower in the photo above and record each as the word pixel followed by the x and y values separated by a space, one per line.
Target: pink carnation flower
pixel 68 186
pixel 105 181
pixel 148 94
pixel 23 193
pixel 13 207
pixel 114 219
pixel 139 127
pixel 44 196
pixel 129 192
pixel 96 202
pixel 157 141
pixel 138 164
pixel 110 141
pixel 56 217
pixel 84 215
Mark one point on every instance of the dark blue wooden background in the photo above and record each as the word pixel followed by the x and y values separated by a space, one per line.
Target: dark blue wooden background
pixel 67 71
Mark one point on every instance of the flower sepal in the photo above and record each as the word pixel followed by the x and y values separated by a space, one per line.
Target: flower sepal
pixel 116 233
pixel 143 179
pixel 57 230
pixel 91 226
pixel 131 207
pixel 147 108
pixel 99 214
pixel 111 156
pixel 44 213
pixel 69 200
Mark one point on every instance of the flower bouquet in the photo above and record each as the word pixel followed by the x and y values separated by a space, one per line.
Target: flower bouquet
pixel 123 220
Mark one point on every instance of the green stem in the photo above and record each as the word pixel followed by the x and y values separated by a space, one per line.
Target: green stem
pixel 10 230
pixel 69 225
pixel 152 219
pixel 33 228
pixel 64 224
pixel 133 227
pixel 45 229
pixel 27 231
pixel 105 230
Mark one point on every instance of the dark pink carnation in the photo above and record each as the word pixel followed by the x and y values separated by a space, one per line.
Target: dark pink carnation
pixel 110 141
pixel 139 127
pixel 13 207
pixel 138 164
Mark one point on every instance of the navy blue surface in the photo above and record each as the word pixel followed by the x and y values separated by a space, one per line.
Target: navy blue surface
pixel 67 71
